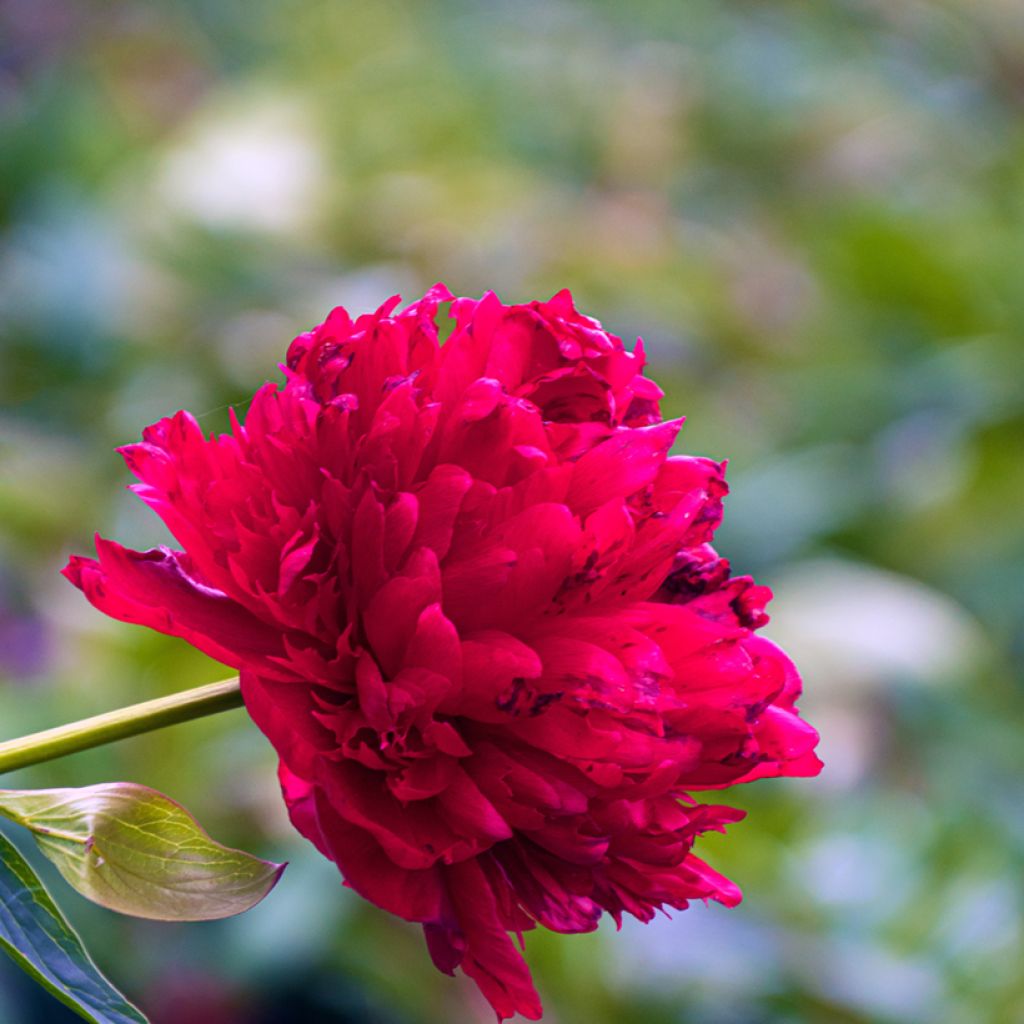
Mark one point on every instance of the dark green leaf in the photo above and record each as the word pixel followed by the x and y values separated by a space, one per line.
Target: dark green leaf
pixel 134 850
pixel 38 938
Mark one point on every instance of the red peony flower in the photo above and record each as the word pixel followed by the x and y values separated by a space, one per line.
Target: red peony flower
pixel 474 607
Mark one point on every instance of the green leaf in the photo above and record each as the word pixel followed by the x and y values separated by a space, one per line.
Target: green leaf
pixel 134 850
pixel 38 938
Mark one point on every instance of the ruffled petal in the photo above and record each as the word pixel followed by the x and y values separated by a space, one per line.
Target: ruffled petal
pixel 476 609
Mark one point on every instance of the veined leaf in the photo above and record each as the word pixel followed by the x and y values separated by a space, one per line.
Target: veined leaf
pixel 38 938
pixel 134 850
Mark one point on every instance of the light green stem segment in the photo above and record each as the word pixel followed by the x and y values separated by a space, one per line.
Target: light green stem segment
pixel 117 725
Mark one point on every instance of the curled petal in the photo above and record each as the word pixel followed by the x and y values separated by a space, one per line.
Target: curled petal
pixel 154 588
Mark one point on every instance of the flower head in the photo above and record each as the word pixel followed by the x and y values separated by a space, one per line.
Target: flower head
pixel 474 606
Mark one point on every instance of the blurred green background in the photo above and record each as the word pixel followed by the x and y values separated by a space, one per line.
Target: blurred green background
pixel 814 215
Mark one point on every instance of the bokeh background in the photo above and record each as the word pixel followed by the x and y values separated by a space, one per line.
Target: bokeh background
pixel 814 215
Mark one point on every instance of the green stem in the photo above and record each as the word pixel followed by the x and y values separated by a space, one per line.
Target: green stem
pixel 117 725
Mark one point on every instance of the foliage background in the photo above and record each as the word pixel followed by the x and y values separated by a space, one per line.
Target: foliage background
pixel 814 215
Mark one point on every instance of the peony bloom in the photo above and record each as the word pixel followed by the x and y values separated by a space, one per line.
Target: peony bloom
pixel 474 606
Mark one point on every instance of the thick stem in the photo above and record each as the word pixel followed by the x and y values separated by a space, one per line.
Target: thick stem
pixel 117 725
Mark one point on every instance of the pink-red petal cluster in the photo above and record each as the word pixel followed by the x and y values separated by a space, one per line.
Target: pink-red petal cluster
pixel 475 608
